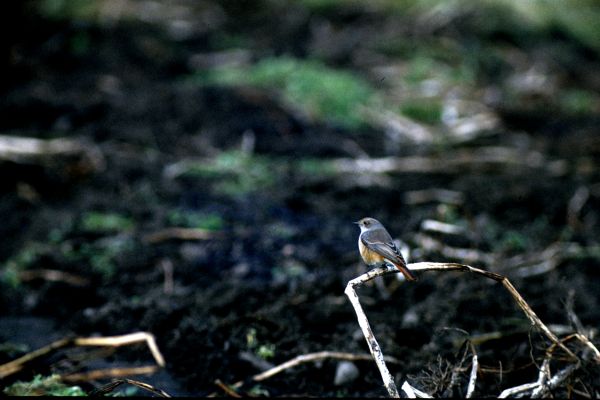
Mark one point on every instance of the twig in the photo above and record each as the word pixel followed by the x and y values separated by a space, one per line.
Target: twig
pixel 413 393
pixel 108 373
pixel 486 158
pixel 576 203
pixel 531 315
pixel 310 357
pixel 388 380
pixel 68 157
pixel 445 196
pixel 180 234
pixel 543 376
pixel 314 357
pixel 583 339
pixel 16 365
pixel 167 267
pixel 430 266
pixel 109 387
pixel 111 341
pixel 454 253
pixel 227 389
pixel 472 377
pixel 122 340
pixel 53 275
pixel 518 389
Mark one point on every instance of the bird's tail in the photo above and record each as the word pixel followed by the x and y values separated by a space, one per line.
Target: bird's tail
pixel 406 272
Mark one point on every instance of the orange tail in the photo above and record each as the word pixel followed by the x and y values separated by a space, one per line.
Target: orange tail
pixel 406 272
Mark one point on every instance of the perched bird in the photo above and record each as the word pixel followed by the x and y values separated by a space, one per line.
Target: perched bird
pixel 377 247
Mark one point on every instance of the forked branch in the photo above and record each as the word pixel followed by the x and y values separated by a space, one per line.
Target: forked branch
pixel 388 380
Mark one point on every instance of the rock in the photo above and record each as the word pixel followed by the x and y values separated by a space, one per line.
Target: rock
pixel 345 373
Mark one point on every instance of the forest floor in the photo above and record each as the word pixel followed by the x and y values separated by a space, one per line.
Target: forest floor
pixel 223 152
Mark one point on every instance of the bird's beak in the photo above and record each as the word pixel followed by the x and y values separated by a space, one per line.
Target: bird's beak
pixel 356 222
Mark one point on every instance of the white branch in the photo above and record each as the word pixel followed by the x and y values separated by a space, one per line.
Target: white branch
pixel 473 377
pixel 388 380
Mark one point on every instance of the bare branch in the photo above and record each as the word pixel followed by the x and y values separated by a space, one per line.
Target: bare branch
pixel 431 266
pixel 388 380
pixel 321 355
pixel 111 341
pixel 413 393
pixel 109 387
pixel 472 377
pixel 518 389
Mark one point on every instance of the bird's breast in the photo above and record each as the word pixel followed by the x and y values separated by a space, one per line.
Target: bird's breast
pixel 369 256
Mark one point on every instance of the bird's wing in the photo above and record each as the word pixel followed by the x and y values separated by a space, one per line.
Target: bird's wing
pixel 381 243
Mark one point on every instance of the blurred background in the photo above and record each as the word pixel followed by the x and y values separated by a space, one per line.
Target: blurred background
pixel 193 169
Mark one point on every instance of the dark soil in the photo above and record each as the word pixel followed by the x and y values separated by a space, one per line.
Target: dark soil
pixel 278 264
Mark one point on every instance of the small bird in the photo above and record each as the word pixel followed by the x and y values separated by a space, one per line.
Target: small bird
pixel 377 247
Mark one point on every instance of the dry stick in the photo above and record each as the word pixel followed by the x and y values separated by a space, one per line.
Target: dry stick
pixel 16 365
pixel 108 373
pixel 180 234
pixel 413 393
pixel 473 377
pixel 112 341
pixel 304 358
pixel 545 381
pixel 430 266
pixel 535 320
pixel 116 341
pixel 321 355
pixel 406 388
pixel 227 389
pixel 53 275
pixel 109 387
pixel 543 376
pixel 518 389
pixel 388 380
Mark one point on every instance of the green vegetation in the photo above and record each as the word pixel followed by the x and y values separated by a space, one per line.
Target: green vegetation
pixel 105 222
pixel 579 101
pixel 192 219
pixel 70 9
pixel 43 386
pixel 322 92
pixel 100 254
pixel 26 257
pixel 235 173
pixel 513 242
pixel 313 167
pixel 258 391
pixel 263 350
pixel 424 110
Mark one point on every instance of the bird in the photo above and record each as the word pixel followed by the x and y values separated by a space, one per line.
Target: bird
pixel 376 247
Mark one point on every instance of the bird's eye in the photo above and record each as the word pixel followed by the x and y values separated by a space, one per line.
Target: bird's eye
pixel 367 223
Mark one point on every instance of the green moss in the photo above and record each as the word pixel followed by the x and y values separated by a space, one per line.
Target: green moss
pixel 322 92
pixel 513 241
pixel 43 386
pixel 578 101
pixel 423 110
pixel 192 219
pixel 263 350
pixel 258 391
pixel 313 167
pixel 384 6
pixel 235 173
pixel 105 222
pixel 25 258
pixel 70 9
pixel 101 255
pixel 578 18
pixel 266 351
pixel 430 64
